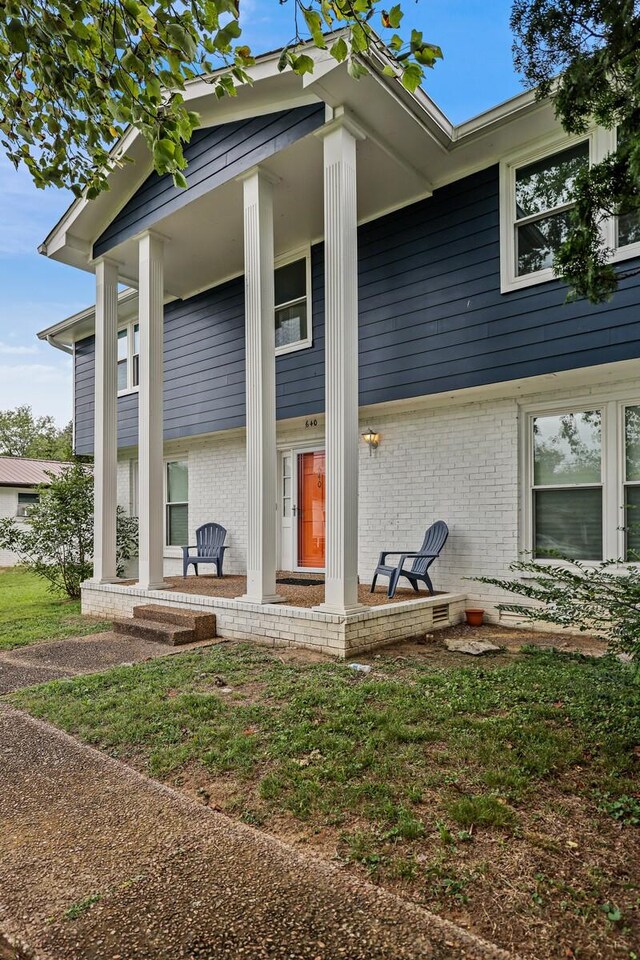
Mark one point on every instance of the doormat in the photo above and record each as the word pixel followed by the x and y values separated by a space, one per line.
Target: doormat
pixel 300 582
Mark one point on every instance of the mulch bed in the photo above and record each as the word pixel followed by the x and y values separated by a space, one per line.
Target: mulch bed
pixel 297 594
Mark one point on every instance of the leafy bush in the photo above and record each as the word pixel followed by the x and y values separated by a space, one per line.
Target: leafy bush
pixel 57 541
pixel 602 599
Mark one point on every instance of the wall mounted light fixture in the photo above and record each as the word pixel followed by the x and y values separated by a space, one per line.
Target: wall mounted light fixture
pixel 372 439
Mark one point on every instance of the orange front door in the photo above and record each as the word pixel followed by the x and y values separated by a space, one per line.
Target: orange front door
pixel 311 512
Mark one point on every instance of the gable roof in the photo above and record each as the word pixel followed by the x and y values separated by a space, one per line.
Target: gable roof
pixel 27 472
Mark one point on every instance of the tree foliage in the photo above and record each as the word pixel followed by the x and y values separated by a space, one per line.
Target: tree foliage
pixel 586 55
pixel 24 435
pixel 77 73
pixel 56 542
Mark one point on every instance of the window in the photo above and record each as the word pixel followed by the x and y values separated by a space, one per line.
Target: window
pixel 292 305
pixel 286 485
pixel 628 223
pixel 26 502
pixel 134 487
pixel 177 503
pixel 632 482
pixel 128 358
pixel 567 486
pixel 581 500
pixel 540 208
pixel 535 208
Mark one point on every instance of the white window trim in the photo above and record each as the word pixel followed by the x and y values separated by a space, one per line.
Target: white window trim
pixel 128 326
pixel 170 550
pixel 629 250
pixel 299 254
pixel 601 143
pixel 612 408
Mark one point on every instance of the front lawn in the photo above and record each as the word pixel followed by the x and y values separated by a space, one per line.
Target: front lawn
pixel 30 613
pixel 503 794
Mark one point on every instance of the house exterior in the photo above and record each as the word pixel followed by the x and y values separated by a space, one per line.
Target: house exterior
pixel 20 478
pixel 346 261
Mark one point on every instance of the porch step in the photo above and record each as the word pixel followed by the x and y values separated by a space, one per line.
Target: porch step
pixel 202 624
pixel 155 631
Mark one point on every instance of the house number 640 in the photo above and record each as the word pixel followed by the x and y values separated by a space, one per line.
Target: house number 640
pixel 311 423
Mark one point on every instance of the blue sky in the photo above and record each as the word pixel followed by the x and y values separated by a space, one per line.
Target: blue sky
pixel 477 73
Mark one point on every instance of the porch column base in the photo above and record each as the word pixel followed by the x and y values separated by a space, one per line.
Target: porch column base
pixel 273 598
pixel 339 610
pixel 160 585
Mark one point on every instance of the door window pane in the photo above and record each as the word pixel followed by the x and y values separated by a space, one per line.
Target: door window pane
pixel 568 523
pixel 567 449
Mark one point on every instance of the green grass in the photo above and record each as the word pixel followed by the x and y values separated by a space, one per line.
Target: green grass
pixel 502 782
pixel 30 613
pixel 402 753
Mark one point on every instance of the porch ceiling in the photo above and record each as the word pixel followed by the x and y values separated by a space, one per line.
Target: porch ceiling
pixel 205 238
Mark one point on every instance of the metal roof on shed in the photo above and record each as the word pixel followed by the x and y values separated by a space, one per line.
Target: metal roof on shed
pixel 24 472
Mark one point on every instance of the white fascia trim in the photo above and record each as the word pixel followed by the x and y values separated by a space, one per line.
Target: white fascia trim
pixel 126 298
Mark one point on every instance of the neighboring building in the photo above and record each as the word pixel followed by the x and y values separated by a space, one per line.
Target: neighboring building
pixel 406 262
pixel 20 478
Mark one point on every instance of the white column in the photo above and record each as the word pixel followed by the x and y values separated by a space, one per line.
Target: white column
pixel 105 423
pixel 341 360
pixel 150 426
pixel 260 388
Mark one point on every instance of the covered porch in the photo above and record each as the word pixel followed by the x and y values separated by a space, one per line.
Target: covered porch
pixel 307 191
pixel 298 620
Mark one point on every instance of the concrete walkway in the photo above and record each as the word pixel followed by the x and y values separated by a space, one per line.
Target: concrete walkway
pixel 69 658
pixel 146 873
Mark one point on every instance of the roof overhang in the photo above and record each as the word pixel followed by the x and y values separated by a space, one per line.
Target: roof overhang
pixel 410 149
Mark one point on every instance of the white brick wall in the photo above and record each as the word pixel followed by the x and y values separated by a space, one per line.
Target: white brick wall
pixel 9 508
pixel 457 462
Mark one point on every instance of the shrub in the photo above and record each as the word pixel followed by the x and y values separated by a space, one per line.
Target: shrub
pixel 602 599
pixel 56 543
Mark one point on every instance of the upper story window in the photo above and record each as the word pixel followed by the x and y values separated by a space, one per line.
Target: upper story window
pixel 535 208
pixel 542 198
pixel 293 305
pixel 628 223
pixel 128 358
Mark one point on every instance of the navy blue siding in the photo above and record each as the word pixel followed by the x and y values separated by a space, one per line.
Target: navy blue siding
pixel 214 156
pixel 432 318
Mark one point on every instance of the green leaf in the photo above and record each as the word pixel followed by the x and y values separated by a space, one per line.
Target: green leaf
pixel 314 23
pixel 302 64
pixel 180 180
pixel 17 36
pixel 339 50
pixel 412 77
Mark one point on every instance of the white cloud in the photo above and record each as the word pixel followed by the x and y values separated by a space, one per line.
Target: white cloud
pixel 26 213
pixel 14 350
pixel 46 387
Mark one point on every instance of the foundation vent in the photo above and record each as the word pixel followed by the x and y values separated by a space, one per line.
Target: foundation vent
pixel 441 614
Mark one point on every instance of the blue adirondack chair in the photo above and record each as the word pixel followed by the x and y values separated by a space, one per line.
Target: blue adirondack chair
pixel 209 547
pixel 434 540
